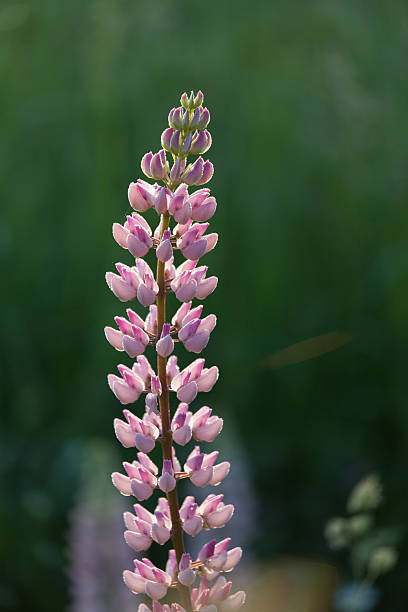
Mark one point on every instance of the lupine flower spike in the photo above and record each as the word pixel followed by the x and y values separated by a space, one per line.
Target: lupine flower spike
pixel 183 227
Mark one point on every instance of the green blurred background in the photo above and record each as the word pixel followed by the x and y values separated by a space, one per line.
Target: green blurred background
pixel 309 124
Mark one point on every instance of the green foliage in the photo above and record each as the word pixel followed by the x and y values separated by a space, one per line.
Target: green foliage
pixel 366 495
pixel 372 549
pixel 312 188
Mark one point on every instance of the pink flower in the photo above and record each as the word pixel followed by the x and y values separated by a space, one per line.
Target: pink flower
pixel 192 379
pixel 139 433
pixel 193 244
pixel 202 469
pixel 141 195
pixel 191 282
pixel 161 608
pixel 128 388
pixel 167 482
pixel 180 425
pixel 202 206
pixel 141 478
pixel 134 235
pixel 218 596
pixel 204 426
pixel 186 575
pixel 144 527
pixel 164 251
pixel 217 557
pixel 148 579
pixel 195 333
pixel 165 345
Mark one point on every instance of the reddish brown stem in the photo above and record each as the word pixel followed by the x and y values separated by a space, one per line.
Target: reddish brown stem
pixel 167 440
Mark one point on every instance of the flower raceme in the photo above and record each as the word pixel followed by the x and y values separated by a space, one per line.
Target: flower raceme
pixel 181 235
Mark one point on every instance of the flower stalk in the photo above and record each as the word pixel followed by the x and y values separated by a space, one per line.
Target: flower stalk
pixel 186 135
pixel 166 441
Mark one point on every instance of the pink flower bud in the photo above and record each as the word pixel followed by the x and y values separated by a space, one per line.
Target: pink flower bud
pixel 164 251
pixel 187 291
pixel 187 577
pixel 193 525
pixel 207 551
pixel 155 590
pixel 160 534
pixel 207 174
pixel 218 561
pixel 206 287
pixel 157 167
pixel 144 443
pixel 188 392
pixel 198 342
pixel 201 143
pixel 195 119
pixel 171 115
pixel 161 201
pixel 198 100
pixel 145 295
pixel 156 385
pixel 180 208
pixel 141 490
pixel 189 330
pixel 220 471
pixel 151 320
pixel 220 517
pixel 175 118
pixel 175 142
pixel 165 346
pixel 121 288
pixel 184 100
pixel 181 314
pixel 194 173
pixel 134 582
pixel 234 602
pixel 151 402
pixel 124 433
pixel 195 250
pixel 120 234
pixel 167 482
pixel 136 198
pixel 114 337
pixel 185 147
pixel 166 138
pixel 127 391
pixel 122 483
pixel 202 478
pixel 233 558
pixel 182 435
pixel 146 164
pixel 204 119
pixel 204 211
pixel 175 171
pixel 206 427
pixel 185 122
pixel 208 378
pixel 137 541
pixel 139 242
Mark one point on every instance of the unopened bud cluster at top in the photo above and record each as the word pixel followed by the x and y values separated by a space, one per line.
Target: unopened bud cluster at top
pixel 186 135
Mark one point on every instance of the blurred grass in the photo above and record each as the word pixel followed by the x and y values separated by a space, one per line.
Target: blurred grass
pixel 309 122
